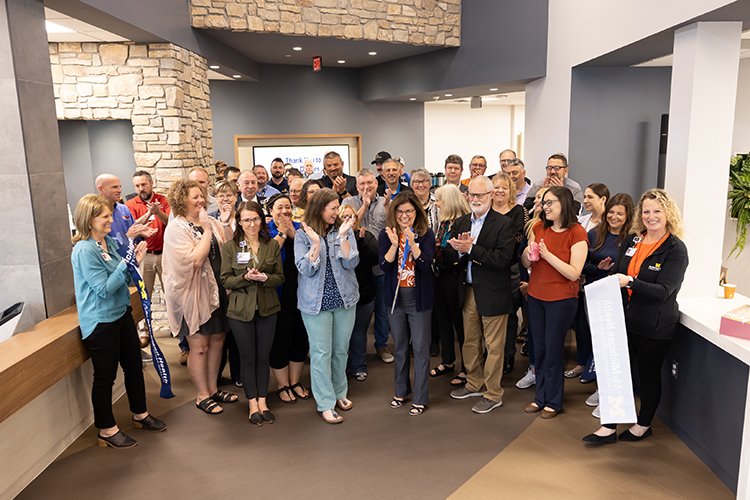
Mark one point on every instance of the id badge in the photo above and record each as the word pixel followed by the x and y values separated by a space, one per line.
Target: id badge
pixel 630 252
pixel 243 257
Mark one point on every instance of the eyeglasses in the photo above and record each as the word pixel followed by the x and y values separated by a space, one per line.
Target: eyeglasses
pixel 409 211
pixel 548 203
pixel 556 168
pixel 224 196
pixel 422 181
pixel 251 220
pixel 348 216
pixel 476 196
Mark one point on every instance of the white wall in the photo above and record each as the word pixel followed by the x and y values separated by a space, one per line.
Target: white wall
pixel 580 30
pixel 739 265
pixel 458 129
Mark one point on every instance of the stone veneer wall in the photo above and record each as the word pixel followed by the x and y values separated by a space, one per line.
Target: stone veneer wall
pixel 161 88
pixel 417 22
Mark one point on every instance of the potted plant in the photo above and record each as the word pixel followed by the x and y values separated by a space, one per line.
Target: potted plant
pixel 739 198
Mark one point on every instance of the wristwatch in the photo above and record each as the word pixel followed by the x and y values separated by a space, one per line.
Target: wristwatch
pixel 282 234
pixel 629 285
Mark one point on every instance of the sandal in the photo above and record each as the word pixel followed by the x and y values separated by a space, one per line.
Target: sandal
pixel 344 404
pixel 575 372
pixel 208 405
pixel 397 403
pixel 335 419
pixel 225 397
pixel 416 410
pixel 289 394
pixel 441 369
pixel 459 379
pixel 305 394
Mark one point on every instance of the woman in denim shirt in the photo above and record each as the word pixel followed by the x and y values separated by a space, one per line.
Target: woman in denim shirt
pixel 325 252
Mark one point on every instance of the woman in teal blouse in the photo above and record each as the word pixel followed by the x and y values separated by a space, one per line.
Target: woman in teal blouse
pixel 101 285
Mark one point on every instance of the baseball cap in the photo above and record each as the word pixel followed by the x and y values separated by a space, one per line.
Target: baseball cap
pixel 381 157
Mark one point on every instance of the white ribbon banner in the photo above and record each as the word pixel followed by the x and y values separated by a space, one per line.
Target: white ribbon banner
pixel 610 342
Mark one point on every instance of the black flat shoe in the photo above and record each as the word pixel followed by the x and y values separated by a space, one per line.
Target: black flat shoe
pixel 268 416
pixel 150 423
pixel 508 366
pixel 629 436
pixel 596 439
pixel 119 440
pixel 256 418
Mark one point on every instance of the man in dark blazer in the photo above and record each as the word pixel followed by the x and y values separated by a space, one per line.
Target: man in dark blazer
pixel 485 240
pixel 335 178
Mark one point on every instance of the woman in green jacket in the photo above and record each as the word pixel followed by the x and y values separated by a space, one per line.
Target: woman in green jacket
pixel 251 269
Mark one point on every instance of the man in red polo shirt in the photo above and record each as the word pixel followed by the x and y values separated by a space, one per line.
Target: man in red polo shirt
pixel 151 209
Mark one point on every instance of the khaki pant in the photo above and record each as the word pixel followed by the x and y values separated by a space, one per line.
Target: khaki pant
pixel 150 268
pixel 493 330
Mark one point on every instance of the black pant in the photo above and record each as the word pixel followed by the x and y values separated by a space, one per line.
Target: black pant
pixel 232 354
pixel 646 358
pixel 290 342
pixel 549 321
pixel 110 344
pixel 254 340
pixel 512 333
pixel 448 315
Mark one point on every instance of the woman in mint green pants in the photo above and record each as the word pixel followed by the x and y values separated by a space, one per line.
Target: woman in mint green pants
pixel 325 252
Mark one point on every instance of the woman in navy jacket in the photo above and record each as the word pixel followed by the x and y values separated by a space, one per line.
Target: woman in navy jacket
pixel 650 268
pixel 406 248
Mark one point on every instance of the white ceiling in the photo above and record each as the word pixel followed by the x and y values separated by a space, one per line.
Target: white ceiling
pixel 79 31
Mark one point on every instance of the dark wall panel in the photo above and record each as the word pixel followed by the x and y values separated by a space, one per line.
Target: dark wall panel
pixel 615 115
pixel 705 403
pixel 294 100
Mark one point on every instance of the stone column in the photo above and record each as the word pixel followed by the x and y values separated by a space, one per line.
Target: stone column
pixel 34 234
pixel 701 119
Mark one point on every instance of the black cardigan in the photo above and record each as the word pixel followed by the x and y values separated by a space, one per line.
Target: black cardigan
pixel 422 270
pixel 652 310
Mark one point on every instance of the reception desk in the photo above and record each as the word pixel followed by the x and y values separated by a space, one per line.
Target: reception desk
pixel 706 398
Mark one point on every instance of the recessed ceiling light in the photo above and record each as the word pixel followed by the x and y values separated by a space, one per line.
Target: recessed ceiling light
pixel 493 89
pixel 448 95
pixel 287 55
pixel 236 76
pixel 57 28
pixel 412 98
pixel 214 66
pixel 341 61
pixel 372 53
pixel 296 49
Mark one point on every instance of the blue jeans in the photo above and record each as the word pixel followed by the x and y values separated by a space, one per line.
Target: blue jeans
pixel 358 344
pixel 329 333
pixel 381 313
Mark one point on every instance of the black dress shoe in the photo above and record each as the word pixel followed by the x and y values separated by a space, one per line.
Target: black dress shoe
pixel 256 418
pixel 151 423
pixel 629 436
pixel 119 440
pixel 596 439
pixel 508 366
pixel 268 416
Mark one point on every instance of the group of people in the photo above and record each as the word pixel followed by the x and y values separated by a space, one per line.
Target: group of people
pixel 273 268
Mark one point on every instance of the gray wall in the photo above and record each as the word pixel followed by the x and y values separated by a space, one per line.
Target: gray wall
pixel 705 404
pixel 615 118
pixel 90 148
pixel 295 100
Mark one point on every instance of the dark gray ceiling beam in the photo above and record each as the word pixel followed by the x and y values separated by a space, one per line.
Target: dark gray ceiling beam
pixel 502 41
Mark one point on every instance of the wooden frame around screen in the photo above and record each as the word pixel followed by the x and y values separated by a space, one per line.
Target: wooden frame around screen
pixel 325 138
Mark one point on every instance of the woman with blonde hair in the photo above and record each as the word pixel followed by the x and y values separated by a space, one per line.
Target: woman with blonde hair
pixel 650 268
pixel 196 304
pixel 451 205
pixel 367 246
pixel 101 280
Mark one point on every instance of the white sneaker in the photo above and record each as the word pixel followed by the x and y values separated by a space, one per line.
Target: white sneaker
pixel 596 413
pixel 527 381
pixel 593 400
